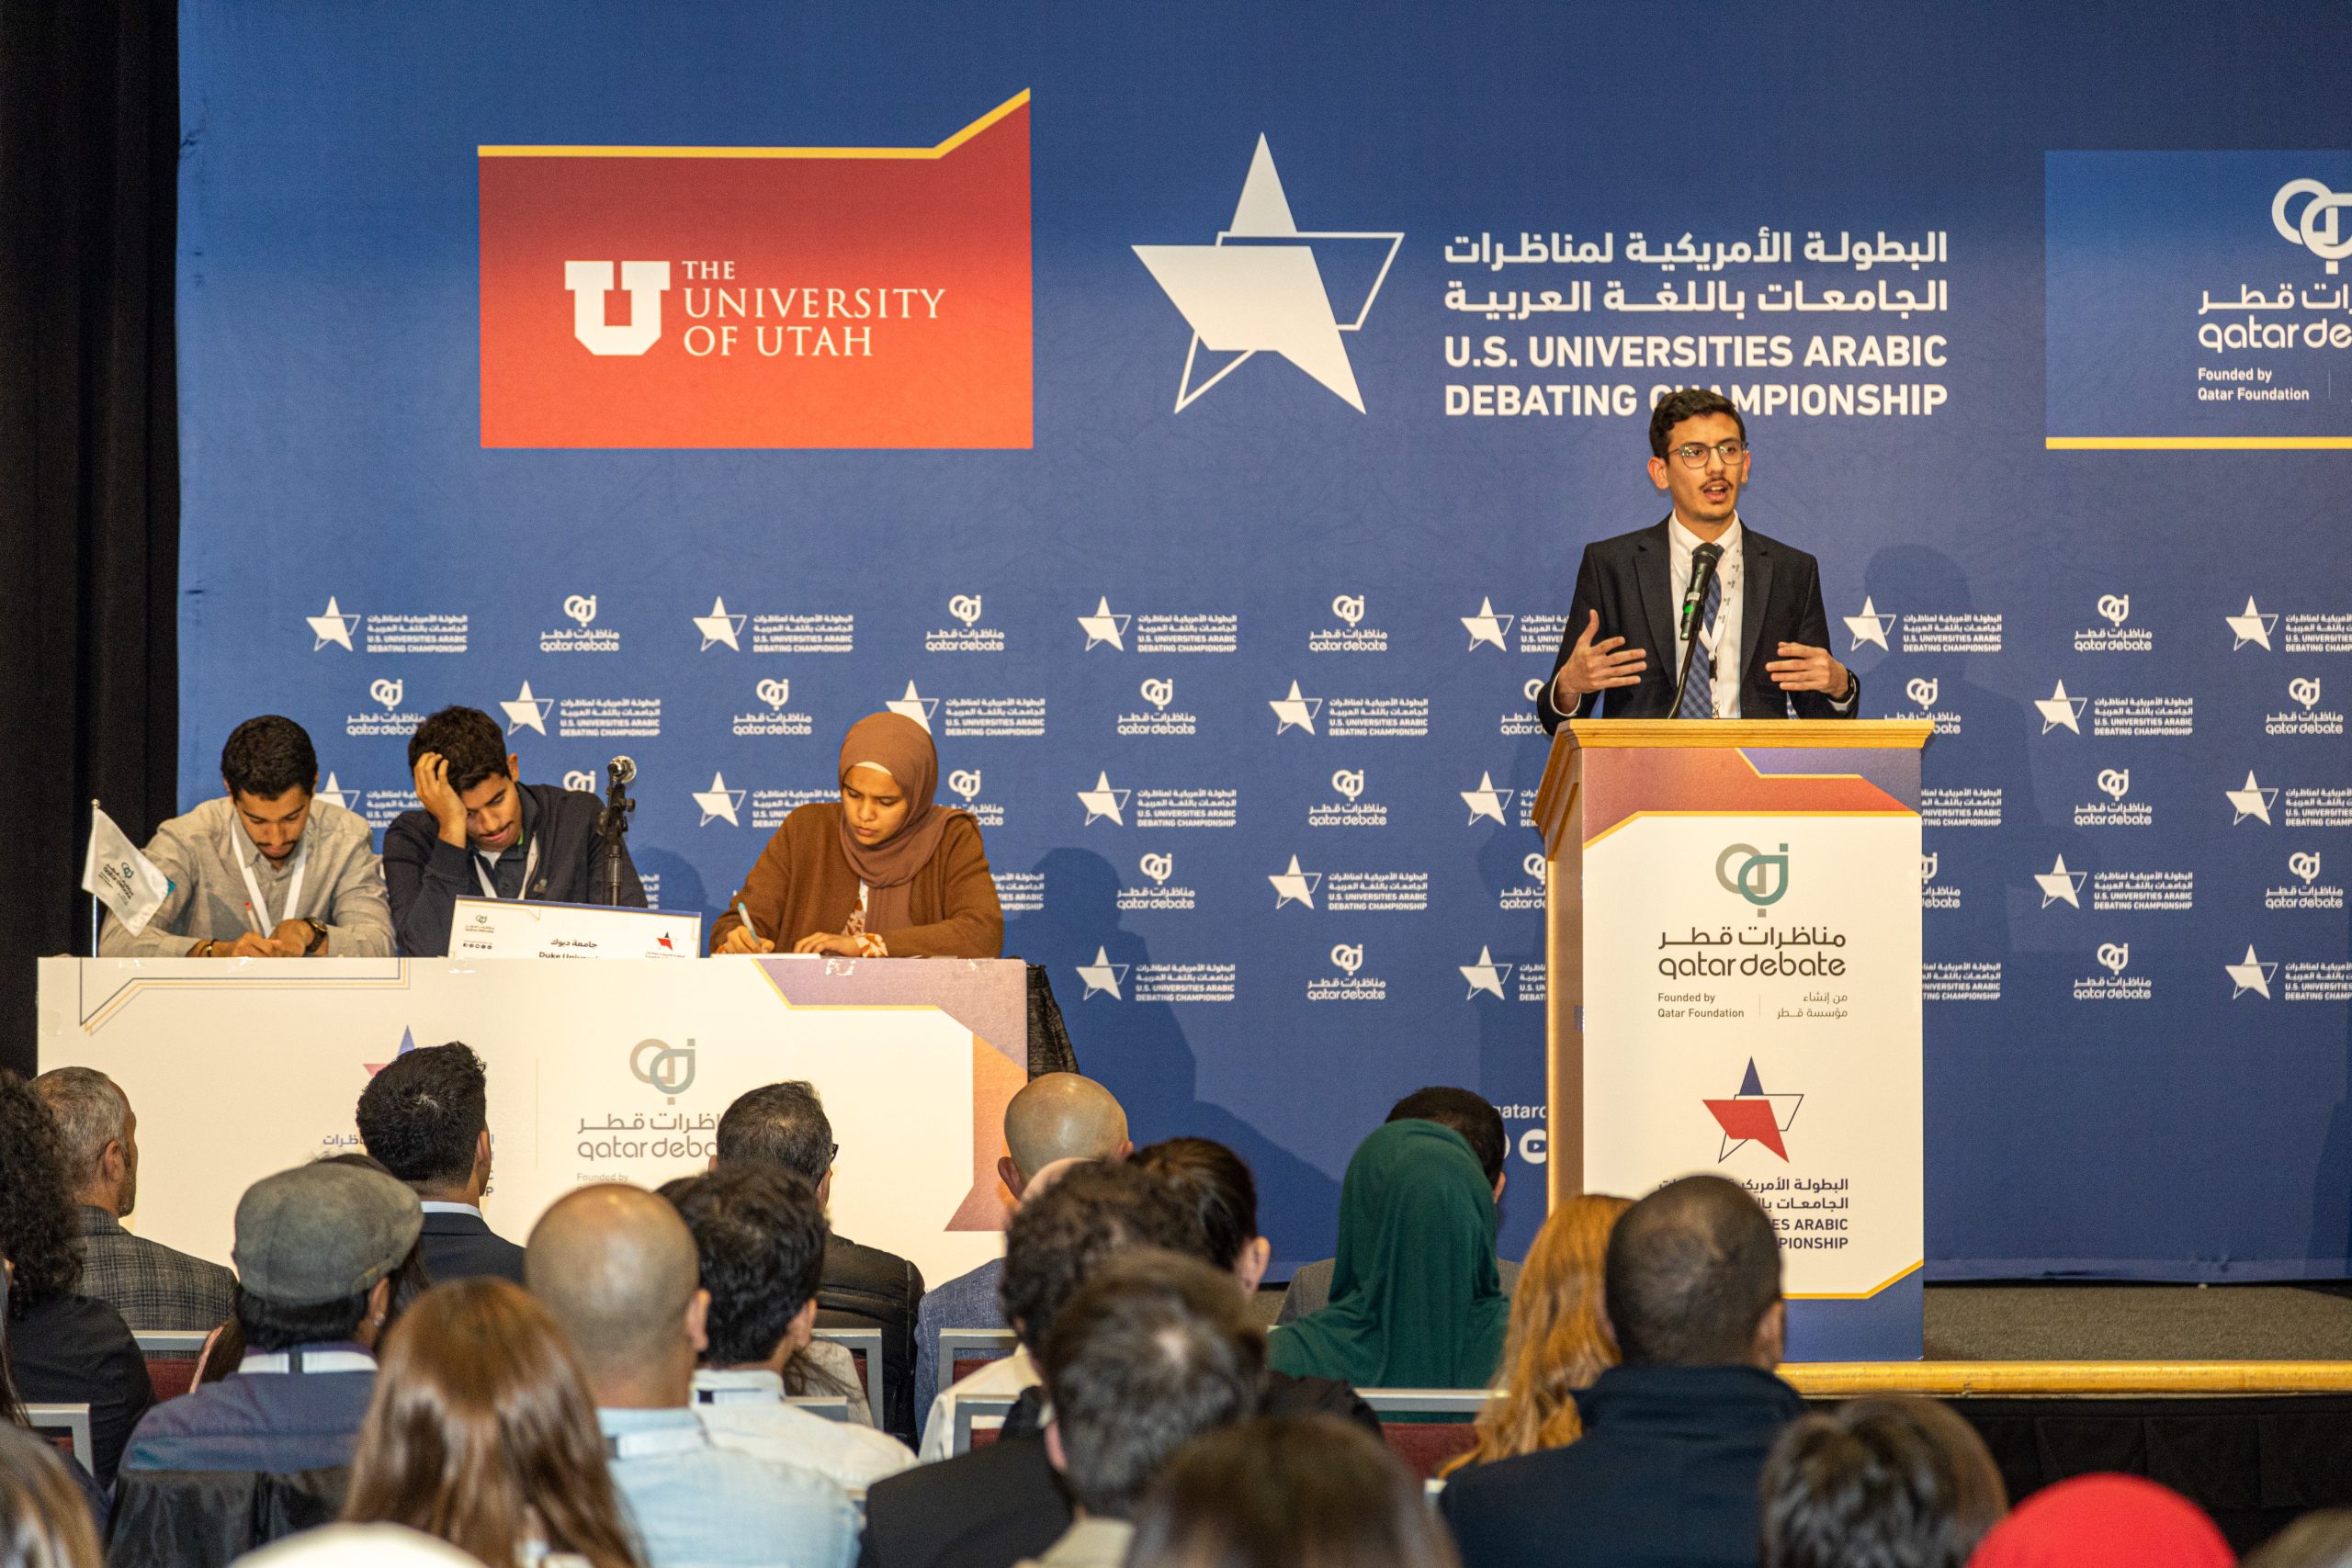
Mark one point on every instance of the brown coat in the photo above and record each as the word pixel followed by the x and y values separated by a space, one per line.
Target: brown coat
pixel 803 883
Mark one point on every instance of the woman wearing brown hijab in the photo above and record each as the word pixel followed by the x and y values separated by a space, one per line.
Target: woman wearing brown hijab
pixel 883 873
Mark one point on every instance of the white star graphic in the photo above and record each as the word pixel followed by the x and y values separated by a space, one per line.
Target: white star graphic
pixel 1103 626
pixel 333 793
pixel 2058 708
pixel 721 626
pixel 334 627
pixel 1486 800
pixel 2251 801
pixel 2059 883
pixel 914 706
pixel 1259 296
pixel 1485 974
pixel 1869 626
pixel 1103 801
pixel 1102 976
pixel 719 801
pixel 1295 886
pixel 527 710
pixel 2253 974
pixel 2250 626
pixel 1486 626
pixel 1294 710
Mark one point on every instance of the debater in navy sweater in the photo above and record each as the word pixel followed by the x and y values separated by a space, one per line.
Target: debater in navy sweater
pixel 480 833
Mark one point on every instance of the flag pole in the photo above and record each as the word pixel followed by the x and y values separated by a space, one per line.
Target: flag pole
pixel 94 898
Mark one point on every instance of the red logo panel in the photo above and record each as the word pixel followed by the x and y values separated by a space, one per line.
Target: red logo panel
pixel 667 297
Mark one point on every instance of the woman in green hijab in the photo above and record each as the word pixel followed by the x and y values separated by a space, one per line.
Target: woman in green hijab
pixel 1416 1301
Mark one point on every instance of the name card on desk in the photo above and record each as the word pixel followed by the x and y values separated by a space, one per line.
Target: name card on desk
pixel 494 928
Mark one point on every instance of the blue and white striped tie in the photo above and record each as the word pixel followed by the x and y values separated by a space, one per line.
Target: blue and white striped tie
pixel 1699 697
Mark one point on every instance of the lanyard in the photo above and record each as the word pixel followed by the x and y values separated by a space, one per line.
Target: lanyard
pixel 530 864
pixel 259 908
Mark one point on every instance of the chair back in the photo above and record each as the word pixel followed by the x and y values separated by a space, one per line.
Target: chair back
pixel 170 1354
pixel 1424 1427
pixel 865 1347
pixel 68 1427
pixel 966 1350
pixel 831 1406
pixel 980 1419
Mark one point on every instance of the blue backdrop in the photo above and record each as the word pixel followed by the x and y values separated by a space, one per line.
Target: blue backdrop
pixel 2136 1034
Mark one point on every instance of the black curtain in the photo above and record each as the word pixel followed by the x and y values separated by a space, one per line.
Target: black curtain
pixel 89 458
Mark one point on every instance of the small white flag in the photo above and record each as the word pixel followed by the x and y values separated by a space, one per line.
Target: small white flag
pixel 119 877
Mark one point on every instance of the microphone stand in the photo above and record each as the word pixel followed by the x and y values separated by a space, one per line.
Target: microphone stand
pixel 612 827
pixel 1701 576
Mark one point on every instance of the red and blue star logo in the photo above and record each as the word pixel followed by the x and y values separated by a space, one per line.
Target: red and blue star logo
pixel 408 1044
pixel 1751 1116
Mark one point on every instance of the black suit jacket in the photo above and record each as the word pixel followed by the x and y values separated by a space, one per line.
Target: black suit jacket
pixel 424 877
pixel 1630 581
pixel 865 1287
pixel 463 1247
pixel 1664 1476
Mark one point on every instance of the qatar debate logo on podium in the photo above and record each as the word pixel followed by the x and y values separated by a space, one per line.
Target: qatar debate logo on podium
pixel 759 297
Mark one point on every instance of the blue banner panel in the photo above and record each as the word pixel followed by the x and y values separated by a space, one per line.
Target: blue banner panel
pixel 1196 414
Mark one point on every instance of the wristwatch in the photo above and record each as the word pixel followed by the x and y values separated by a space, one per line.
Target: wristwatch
pixel 318 936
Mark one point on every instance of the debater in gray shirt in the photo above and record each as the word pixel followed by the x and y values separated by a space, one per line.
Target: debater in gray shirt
pixel 267 871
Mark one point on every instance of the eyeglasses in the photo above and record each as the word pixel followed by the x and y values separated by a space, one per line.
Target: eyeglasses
pixel 1694 456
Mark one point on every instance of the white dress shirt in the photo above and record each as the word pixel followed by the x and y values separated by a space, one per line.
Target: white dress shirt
pixel 1721 646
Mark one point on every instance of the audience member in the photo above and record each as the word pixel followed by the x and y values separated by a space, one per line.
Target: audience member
pixel 1216 1184
pixel 2105 1521
pixel 1480 1125
pixel 785 1124
pixel 616 1266
pixel 1001 1502
pixel 1287 1492
pixel 64 1348
pixel 1151 1352
pixel 44 1522
pixel 760 1239
pixel 362 1546
pixel 1559 1338
pixel 1055 1117
pixel 427 1117
pixel 1674 1439
pixel 1899 1480
pixel 14 1418
pixel 152 1286
pixel 2322 1539
pixel 1415 1301
pixel 316 1249
pixel 482 1432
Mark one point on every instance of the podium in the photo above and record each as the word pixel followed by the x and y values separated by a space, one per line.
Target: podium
pixel 1733 954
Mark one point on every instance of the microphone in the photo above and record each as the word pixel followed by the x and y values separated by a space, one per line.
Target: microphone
pixel 611 828
pixel 1703 561
pixel 623 770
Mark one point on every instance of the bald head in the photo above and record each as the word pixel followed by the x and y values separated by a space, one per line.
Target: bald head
pixel 1694 1277
pixel 1063 1116
pixel 616 1266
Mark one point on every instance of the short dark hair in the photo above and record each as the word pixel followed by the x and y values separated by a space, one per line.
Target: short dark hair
pixel 1900 1482
pixel 760 1238
pixel 1060 1236
pixel 1691 1271
pixel 425 1113
pixel 1211 1182
pixel 1467 1112
pixel 1301 1490
pixel 782 1124
pixel 268 756
pixel 1151 1352
pixel 468 740
pixel 1690 402
pixel 278 1325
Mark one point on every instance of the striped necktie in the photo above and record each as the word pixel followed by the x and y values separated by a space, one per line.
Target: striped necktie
pixel 1699 697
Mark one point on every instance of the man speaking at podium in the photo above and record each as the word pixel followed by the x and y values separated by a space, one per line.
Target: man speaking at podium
pixel 1762 634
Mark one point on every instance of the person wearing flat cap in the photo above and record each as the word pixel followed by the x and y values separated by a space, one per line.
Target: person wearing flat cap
pixel 882 872
pixel 315 1249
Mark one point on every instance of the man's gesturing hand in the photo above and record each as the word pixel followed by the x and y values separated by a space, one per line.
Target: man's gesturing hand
pixel 1801 668
pixel 1597 666
pixel 434 794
